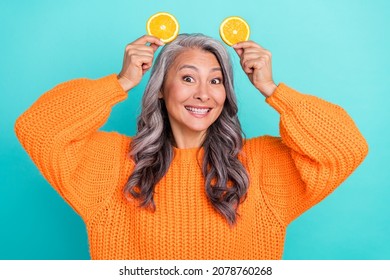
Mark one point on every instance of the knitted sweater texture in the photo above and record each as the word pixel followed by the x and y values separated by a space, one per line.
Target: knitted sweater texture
pixel 319 148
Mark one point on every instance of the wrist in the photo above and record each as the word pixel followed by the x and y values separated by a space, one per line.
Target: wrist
pixel 125 83
pixel 268 90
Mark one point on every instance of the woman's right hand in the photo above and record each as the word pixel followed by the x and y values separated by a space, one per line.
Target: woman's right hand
pixel 137 60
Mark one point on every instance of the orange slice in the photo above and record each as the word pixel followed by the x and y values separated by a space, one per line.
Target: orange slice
pixel 233 30
pixel 164 26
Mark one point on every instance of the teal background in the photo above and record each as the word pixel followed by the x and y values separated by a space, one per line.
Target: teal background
pixel 337 50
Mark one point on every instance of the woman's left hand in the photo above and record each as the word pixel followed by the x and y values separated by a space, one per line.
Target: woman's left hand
pixel 256 63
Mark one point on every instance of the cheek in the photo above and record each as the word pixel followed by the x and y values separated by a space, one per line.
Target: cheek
pixel 177 93
pixel 220 97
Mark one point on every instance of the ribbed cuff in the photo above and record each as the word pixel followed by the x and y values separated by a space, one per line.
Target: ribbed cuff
pixel 284 98
pixel 109 85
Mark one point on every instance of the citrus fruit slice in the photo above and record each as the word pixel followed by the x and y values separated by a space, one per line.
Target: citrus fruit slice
pixel 233 30
pixel 164 26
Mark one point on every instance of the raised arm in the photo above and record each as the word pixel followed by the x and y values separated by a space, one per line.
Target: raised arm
pixel 60 130
pixel 320 146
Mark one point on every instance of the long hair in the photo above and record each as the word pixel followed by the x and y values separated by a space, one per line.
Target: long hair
pixel 226 179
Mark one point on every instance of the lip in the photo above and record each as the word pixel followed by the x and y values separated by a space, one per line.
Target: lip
pixel 198 111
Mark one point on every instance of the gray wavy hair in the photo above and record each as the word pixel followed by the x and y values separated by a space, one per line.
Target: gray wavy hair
pixel 226 179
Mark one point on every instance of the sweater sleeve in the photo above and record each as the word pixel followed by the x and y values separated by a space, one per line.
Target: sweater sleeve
pixel 60 133
pixel 320 147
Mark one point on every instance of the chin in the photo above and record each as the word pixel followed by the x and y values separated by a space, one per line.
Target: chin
pixel 199 128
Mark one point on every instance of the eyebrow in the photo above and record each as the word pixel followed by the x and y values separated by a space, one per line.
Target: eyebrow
pixel 196 69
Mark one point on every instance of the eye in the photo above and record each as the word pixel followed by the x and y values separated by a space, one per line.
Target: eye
pixel 188 79
pixel 216 81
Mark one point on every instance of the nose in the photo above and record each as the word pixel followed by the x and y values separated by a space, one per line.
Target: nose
pixel 202 92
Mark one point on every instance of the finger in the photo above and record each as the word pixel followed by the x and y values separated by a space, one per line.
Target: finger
pixel 154 47
pixel 148 39
pixel 146 66
pixel 251 55
pixel 239 51
pixel 257 50
pixel 139 61
pixel 246 67
pixel 250 65
pixel 260 56
pixel 247 44
pixel 148 52
pixel 252 51
pixel 255 56
pixel 136 48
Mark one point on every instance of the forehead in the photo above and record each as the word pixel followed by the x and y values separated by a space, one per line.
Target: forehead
pixel 197 57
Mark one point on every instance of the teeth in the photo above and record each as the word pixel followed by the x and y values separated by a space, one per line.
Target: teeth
pixel 198 110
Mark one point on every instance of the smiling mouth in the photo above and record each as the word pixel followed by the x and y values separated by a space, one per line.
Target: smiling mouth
pixel 198 111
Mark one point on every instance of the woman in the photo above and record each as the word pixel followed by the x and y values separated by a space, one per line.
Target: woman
pixel 204 192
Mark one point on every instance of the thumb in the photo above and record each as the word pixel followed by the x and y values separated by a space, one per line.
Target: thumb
pixel 145 67
pixel 238 50
pixel 155 46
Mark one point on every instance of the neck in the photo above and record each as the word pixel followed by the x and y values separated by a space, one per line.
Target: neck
pixel 188 140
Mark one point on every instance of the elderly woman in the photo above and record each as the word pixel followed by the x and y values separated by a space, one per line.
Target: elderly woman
pixel 187 185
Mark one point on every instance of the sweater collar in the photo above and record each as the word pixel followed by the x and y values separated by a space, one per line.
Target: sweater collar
pixel 188 154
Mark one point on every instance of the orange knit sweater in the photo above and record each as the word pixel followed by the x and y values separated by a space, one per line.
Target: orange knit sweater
pixel 319 147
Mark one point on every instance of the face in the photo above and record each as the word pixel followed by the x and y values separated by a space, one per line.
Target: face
pixel 194 94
